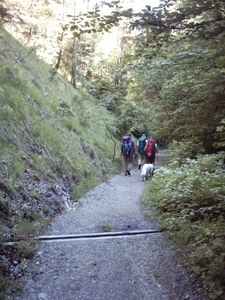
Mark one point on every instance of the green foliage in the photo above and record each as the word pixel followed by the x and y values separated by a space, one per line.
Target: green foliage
pixel 175 75
pixel 177 80
pixel 220 135
pixel 188 196
pixel 178 151
pixel 107 228
pixel 4 15
pixel 94 21
pixel 25 228
pixel 50 132
pixel 127 117
pixel 5 206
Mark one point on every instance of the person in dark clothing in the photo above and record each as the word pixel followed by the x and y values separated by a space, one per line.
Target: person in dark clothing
pixel 141 143
pixel 128 157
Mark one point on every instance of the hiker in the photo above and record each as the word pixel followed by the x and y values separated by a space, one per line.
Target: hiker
pixel 141 143
pixel 128 151
pixel 150 151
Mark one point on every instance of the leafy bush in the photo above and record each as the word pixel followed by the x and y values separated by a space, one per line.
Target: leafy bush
pixel 189 200
pixel 178 151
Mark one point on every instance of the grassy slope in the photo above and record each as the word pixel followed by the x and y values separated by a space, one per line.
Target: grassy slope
pixel 50 135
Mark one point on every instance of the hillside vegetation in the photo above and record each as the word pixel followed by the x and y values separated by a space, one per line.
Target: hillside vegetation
pixel 55 145
pixel 187 196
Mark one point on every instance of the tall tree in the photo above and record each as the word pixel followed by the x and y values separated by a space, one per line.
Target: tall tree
pixel 180 68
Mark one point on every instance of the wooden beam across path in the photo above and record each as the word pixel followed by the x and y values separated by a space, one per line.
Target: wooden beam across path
pixel 94 235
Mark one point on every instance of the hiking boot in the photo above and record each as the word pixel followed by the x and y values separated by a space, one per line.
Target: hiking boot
pixel 139 166
pixel 125 174
pixel 128 172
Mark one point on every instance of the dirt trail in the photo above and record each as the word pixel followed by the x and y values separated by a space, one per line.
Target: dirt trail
pixel 140 267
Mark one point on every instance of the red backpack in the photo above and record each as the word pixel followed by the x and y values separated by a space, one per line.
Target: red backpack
pixel 150 147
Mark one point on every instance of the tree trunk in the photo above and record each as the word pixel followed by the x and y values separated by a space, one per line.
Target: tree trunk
pixel 59 59
pixel 74 63
pixel 74 66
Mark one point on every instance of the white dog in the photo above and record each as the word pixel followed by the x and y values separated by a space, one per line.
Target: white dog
pixel 147 171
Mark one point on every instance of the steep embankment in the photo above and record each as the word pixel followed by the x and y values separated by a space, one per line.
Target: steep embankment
pixel 55 144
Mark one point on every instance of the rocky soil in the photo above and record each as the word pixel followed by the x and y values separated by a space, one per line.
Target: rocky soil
pixel 130 267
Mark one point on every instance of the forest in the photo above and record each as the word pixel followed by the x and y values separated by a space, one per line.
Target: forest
pixel 156 69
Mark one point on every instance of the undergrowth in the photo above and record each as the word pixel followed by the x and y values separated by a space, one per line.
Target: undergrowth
pixel 188 197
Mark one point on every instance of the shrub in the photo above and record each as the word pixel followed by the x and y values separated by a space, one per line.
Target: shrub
pixel 189 199
pixel 179 151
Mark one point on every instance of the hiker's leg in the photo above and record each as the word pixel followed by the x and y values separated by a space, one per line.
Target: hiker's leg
pixel 130 163
pixel 125 159
pixel 147 159
pixel 124 163
pixel 153 158
pixel 142 159
pixel 139 160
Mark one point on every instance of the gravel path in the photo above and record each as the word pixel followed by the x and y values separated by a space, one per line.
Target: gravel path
pixel 134 267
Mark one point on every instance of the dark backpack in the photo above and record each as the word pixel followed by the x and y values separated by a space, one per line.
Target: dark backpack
pixel 141 144
pixel 150 147
pixel 126 145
